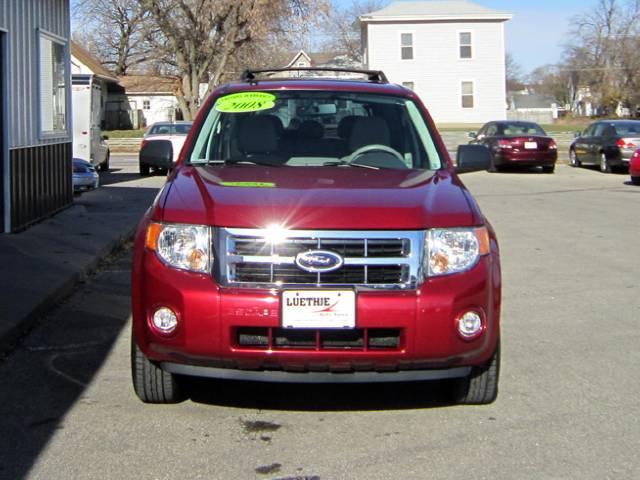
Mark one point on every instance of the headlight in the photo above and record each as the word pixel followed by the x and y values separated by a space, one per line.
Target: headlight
pixel 187 247
pixel 454 250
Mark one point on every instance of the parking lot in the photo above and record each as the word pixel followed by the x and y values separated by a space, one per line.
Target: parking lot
pixel 567 407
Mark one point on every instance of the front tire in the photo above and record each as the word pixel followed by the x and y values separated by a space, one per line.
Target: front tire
pixel 104 166
pixel 575 162
pixel 144 170
pixel 150 382
pixel 604 164
pixel 481 386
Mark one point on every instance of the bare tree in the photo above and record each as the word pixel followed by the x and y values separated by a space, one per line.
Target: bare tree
pixel 513 72
pixel 603 57
pixel 116 31
pixel 201 37
pixel 342 27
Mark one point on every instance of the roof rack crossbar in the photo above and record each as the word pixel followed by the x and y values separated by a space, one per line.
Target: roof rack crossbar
pixel 376 76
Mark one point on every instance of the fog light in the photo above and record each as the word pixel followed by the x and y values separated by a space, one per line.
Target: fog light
pixel 470 325
pixel 165 320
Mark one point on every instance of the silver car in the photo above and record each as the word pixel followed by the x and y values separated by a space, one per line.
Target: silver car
pixel 85 177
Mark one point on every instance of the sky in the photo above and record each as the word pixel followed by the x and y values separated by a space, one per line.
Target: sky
pixel 538 30
pixel 536 33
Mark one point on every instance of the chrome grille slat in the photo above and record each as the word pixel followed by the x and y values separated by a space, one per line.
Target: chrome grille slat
pixel 372 259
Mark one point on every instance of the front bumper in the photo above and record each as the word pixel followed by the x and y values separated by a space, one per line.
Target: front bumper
pixel 210 317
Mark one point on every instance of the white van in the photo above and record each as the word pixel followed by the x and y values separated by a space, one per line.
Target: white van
pixel 88 142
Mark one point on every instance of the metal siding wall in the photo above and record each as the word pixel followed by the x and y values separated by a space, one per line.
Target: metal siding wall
pixel 40 168
pixel 23 19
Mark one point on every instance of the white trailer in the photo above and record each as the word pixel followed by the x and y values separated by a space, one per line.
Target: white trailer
pixel 87 101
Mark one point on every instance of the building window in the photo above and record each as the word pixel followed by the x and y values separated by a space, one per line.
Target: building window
pixel 406 46
pixel 53 86
pixel 467 94
pixel 409 85
pixel 465 44
pixel 146 104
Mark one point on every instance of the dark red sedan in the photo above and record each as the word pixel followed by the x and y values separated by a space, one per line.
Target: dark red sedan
pixel 517 144
pixel 634 168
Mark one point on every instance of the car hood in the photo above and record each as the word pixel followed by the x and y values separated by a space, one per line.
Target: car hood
pixel 316 198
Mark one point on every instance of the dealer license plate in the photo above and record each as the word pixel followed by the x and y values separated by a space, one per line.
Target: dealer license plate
pixel 530 145
pixel 318 309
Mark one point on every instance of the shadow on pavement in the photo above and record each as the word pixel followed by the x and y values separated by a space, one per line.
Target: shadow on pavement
pixel 51 369
pixel 320 397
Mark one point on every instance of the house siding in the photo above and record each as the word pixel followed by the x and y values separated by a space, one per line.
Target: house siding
pixel 436 69
pixel 35 167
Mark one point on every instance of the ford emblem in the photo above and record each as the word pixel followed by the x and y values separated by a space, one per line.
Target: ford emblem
pixel 319 261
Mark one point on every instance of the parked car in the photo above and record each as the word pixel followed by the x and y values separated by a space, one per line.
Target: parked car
pixel 316 256
pixel 174 132
pixel 85 177
pixel 634 168
pixel 517 144
pixel 609 144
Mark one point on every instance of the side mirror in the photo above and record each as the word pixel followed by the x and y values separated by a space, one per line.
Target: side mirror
pixel 157 153
pixel 472 135
pixel 105 137
pixel 472 158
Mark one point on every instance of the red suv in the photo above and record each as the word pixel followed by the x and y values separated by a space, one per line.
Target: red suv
pixel 316 230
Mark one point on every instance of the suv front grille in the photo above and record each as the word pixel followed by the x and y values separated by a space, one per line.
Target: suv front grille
pixel 365 339
pixel 376 259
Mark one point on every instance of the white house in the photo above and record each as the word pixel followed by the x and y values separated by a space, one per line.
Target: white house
pixel 319 60
pixel 450 52
pixel 154 96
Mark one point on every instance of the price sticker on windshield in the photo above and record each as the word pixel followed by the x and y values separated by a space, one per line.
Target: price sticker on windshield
pixel 245 102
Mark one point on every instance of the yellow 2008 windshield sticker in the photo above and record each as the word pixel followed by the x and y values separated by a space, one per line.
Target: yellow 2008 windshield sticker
pixel 245 102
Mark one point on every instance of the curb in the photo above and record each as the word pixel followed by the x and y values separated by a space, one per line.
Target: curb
pixel 10 338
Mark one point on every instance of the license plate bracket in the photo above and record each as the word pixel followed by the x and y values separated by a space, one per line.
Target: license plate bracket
pixel 318 308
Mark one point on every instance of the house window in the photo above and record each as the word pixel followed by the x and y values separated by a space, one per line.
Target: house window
pixel 53 86
pixel 146 104
pixel 467 94
pixel 406 46
pixel 465 44
pixel 409 85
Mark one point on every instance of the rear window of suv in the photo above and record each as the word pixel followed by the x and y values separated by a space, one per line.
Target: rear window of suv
pixel 300 128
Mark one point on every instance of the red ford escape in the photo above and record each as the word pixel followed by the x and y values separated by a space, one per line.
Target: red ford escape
pixel 316 230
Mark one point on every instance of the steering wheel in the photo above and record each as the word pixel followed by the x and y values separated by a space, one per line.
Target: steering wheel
pixel 375 147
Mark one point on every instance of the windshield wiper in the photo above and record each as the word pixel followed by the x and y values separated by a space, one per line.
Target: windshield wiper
pixel 234 162
pixel 343 163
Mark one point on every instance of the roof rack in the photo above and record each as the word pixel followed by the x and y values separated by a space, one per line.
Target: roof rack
pixel 376 76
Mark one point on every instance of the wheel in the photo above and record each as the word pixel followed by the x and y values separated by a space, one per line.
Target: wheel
pixel 604 164
pixel 150 382
pixel 481 386
pixel 574 159
pixel 548 169
pixel 144 170
pixel 104 166
pixel 635 180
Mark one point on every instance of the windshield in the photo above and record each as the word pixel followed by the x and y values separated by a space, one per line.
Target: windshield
pixel 521 128
pixel 170 129
pixel 316 129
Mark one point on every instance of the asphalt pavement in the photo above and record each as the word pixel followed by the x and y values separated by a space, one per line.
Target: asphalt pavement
pixel 567 407
pixel 43 264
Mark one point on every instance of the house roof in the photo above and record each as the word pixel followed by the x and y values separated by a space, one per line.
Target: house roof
pixel 532 101
pixel 435 11
pixel 298 55
pixel 149 84
pixel 91 62
pixel 320 59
